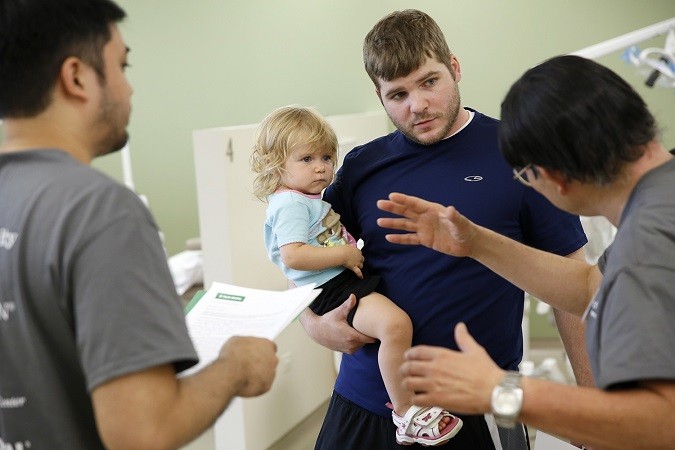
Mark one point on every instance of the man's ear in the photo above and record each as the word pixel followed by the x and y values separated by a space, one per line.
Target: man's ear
pixel 556 177
pixel 457 69
pixel 74 77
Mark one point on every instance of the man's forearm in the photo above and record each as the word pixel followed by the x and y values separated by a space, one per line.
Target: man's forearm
pixel 557 280
pixel 572 331
pixel 308 321
pixel 631 418
pixel 153 409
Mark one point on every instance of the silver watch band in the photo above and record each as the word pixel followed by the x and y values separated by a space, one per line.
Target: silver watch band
pixel 510 381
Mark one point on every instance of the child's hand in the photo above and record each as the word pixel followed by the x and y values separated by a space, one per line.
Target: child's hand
pixel 353 260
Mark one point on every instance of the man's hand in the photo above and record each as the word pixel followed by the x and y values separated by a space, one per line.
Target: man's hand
pixel 460 381
pixel 429 224
pixel 332 330
pixel 254 360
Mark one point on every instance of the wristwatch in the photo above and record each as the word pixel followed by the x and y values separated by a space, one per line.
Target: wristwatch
pixel 507 400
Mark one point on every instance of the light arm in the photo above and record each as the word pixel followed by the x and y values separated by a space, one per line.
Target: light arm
pixel 153 409
pixel 300 256
pixel 564 283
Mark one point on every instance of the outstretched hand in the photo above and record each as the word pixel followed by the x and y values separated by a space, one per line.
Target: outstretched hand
pixel 429 224
pixel 460 381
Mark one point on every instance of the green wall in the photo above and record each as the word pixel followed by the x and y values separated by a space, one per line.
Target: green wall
pixel 208 63
pixel 214 63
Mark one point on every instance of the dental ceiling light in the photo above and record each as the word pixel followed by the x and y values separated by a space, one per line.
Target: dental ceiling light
pixel 656 65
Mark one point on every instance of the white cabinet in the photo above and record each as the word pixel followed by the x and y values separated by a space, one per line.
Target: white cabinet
pixel 231 227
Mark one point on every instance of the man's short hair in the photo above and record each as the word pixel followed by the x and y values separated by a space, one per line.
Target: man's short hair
pixel 37 36
pixel 400 43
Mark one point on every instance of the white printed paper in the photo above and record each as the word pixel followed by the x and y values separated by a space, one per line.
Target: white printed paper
pixel 226 310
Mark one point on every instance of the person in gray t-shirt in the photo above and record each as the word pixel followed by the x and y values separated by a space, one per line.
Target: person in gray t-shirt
pixel 92 333
pixel 579 134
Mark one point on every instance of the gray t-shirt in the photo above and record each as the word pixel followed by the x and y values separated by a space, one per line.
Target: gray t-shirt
pixel 85 296
pixel 630 333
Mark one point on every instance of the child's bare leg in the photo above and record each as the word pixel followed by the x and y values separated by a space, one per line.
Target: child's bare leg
pixel 379 317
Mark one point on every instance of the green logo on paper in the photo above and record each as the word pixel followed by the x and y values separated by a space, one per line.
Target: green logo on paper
pixel 234 298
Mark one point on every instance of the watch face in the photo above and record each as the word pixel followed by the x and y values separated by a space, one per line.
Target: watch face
pixel 507 402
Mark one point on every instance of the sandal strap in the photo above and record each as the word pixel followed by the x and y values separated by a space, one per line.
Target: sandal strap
pixel 419 417
pixel 421 425
pixel 428 417
pixel 424 416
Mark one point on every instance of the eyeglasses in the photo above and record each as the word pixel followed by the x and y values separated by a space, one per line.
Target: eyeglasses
pixel 521 174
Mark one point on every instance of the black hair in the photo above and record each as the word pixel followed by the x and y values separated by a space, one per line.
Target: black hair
pixel 36 37
pixel 575 116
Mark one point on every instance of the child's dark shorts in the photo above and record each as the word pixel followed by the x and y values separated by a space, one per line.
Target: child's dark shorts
pixel 335 291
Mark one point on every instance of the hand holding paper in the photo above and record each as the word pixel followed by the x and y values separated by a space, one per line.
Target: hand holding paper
pixel 226 310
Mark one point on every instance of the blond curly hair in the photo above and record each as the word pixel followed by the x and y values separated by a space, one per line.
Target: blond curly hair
pixel 278 134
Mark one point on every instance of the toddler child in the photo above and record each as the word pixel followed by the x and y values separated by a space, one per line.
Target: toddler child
pixel 294 158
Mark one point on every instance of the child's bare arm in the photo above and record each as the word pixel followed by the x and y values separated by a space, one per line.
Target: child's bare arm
pixel 301 256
